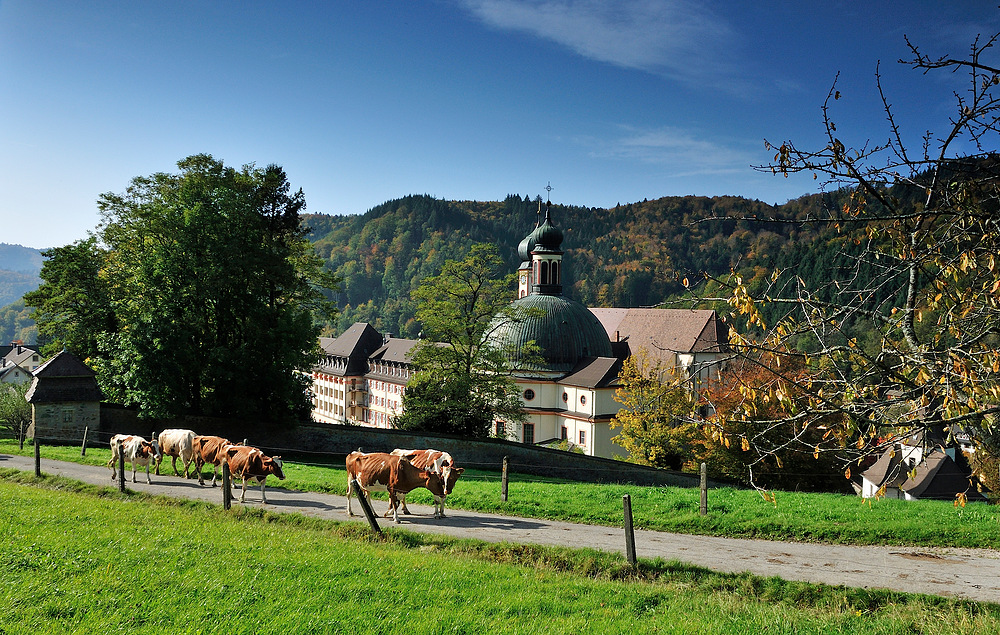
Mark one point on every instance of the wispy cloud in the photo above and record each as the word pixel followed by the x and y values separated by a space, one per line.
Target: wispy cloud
pixel 681 39
pixel 680 152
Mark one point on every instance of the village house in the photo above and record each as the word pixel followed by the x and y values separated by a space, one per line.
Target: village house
pixel 923 466
pixel 18 362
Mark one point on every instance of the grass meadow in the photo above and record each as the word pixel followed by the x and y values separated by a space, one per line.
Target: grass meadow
pixel 78 558
pixel 829 518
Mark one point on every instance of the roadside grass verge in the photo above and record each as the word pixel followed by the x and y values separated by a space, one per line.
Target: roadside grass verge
pixel 79 558
pixel 808 517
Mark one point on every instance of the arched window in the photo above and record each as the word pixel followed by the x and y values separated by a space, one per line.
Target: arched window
pixel 555 273
pixel 544 278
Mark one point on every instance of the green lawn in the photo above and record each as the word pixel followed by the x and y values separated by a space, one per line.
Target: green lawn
pixel 84 559
pixel 732 512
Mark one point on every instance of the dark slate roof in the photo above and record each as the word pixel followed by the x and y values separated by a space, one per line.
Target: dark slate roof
pixel 936 477
pixel 355 345
pixel 63 378
pixel 594 372
pixel 64 364
pixel 395 350
pixel 564 330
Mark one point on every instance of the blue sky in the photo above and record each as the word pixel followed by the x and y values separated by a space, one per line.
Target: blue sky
pixel 362 102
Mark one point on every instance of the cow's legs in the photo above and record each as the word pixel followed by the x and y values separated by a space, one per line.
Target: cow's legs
pixel 394 506
pixel 174 464
pixel 243 494
pixel 263 498
pixel 148 482
pixel 402 503
pixel 349 488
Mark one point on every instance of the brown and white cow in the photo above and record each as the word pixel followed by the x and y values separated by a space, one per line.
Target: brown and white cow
pixel 381 472
pixel 247 463
pixel 136 450
pixel 177 444
pixel 437 462
pixel 208 449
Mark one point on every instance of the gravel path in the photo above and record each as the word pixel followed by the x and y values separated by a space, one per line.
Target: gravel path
pixel 972 574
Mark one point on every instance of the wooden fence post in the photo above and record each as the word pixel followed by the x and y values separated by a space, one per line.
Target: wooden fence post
pixel 704 489
pixel 83 448
pixel 227 493
pixel 366 506
pixel 503 480
pixel 38 458
pixel 121 468
pixel 20 437
pixel 629 533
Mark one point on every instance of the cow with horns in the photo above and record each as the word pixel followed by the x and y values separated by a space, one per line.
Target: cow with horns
pixel 437 462
pixel 136 450
pixel 382 472
pixel 248 463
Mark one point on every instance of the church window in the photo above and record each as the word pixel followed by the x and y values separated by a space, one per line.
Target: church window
pixel 564 434
pixel 583 437
pixel 555 273
pixel 529 433
pixel 529 394
pixel 544 277
pixel 583 400
pixel 565 398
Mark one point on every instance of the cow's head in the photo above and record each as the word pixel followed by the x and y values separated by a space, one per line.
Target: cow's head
pixel 274 464
pixel 448 477
pixel 154 447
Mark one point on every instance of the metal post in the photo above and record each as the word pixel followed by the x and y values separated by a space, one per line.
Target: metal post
pixel 704 489
pixel 121 468
pixel 629 533
pixel 83 448
pixel 366 506
pixel 503 480
pixel 38 458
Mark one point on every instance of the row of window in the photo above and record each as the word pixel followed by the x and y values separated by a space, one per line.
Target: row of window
pixel 529 395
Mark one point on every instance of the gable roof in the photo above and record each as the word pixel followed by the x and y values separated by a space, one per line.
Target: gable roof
pixel 63 378
pixel 666 330
pixel 937 477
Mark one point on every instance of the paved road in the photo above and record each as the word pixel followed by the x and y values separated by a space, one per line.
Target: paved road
pixel 962 573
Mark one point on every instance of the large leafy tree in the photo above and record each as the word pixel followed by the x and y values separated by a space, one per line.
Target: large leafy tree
pixel 72 307
pixel 919 269
pixel 652 419
pixel 463 382
pixel 208 293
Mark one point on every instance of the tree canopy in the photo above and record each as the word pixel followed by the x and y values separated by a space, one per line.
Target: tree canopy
pixel 198 293
pixel 917 266
pixel 463 383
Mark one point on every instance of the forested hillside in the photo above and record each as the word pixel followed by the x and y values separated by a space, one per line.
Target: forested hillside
pixel 628 256
pixel 631 255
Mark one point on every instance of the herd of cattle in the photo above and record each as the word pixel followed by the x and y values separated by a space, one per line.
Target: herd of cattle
pixel 396 473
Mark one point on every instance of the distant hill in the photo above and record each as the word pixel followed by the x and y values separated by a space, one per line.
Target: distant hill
pixel 19 267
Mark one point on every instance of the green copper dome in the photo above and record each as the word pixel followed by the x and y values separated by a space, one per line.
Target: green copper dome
pixel 564 330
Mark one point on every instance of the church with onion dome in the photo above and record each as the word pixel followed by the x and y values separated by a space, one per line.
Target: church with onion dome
pixel 569 373
pixel 564 356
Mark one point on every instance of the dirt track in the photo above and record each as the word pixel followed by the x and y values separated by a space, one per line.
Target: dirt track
pixel 962 573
